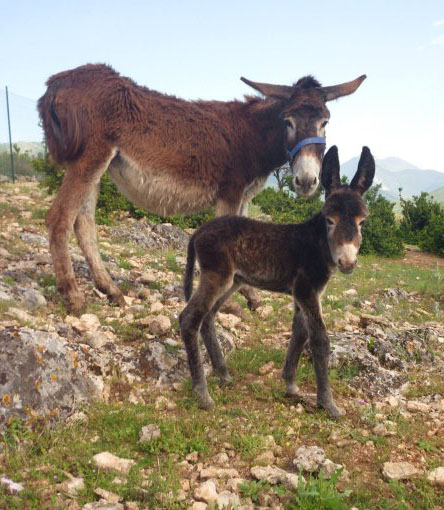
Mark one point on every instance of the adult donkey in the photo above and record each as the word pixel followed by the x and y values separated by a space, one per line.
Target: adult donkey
pixel 168 155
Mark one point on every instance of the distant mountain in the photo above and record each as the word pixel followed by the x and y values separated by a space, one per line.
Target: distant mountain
pixel 32 148
pixel 394 173
pixel 438 195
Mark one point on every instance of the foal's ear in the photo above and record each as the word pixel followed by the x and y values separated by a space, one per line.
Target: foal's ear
pixel 363 178
pixel 330 170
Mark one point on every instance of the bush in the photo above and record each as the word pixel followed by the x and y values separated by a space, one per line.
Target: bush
pixel 22 163
pixel 432 237
pixel 417 213
pixel 284 207
pixel 110 200
pixel 380 233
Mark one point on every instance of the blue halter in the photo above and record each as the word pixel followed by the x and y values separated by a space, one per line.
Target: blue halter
pixel 306 141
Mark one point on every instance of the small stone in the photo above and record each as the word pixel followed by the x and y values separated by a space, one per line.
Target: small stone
pixel 227 499
pixel 158 325
pixel 148 277
pixel 233 484
pixel 266 457
pixel 192 457
pixel 34 298
pixel 157 306
pixel 144 294
pixel 110 497
pixel 149 433
pixel 393 401
pixel 206 491
pixel 398 470
pixel 228 320
pixel 21 315
pixel 233 308
pixel 309 458
pixel 109 462
pixel 214 472
pixel 329 468
pixel 95 339
pixel 436 476
pixel 199 505
pixel 103 505
pixel 221 458
pixel 350 292
pixel 72 486
pixel 78 416
pixel 131 505
pixel 162 403
pixel 267 368
pixel 86 322
pixel 417 407
pixel 264 311
pixel 274 475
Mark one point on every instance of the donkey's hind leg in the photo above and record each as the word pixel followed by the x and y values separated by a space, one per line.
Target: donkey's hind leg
pixel 76 186
pixel 209 336
pixel 211 287
pixel 299 337
pixel 85 230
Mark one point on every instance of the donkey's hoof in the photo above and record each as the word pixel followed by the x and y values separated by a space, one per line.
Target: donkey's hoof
pixel 75 305
pixel 117 299
pixel 332 409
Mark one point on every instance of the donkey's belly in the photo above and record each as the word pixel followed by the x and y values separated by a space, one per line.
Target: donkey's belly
pixel 158 191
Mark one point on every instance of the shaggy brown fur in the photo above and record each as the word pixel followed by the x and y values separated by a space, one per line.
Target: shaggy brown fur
pixel 293 259
pixel 166 154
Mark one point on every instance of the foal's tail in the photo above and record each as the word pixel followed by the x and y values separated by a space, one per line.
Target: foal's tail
pixel 65 123
pixel 189 270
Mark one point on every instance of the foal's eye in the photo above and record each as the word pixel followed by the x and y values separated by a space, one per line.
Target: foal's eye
pixel 330 222
pixel 361 223
pixel 324 123
pixel 289 124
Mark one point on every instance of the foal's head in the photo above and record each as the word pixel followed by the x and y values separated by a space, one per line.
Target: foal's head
pixel 305 114
pixel 344 210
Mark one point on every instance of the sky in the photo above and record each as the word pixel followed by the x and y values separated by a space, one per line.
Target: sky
pixel 199 49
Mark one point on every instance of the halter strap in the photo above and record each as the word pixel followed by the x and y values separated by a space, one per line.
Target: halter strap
pixel 306 141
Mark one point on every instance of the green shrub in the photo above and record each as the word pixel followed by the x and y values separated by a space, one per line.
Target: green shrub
pixel 416 216
pixel 285 207
pixel 432 237
pixel 380 233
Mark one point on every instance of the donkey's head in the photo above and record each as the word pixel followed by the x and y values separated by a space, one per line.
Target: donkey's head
pixel 344 209
pixel 304 111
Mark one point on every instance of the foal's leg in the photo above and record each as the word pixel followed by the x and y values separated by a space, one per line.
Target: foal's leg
pixel 208 332
pixel 211 287
pixel 76 186
pixel 299 337
pixel 320 346
pixel 85 230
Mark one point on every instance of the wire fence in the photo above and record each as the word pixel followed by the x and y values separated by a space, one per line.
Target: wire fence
pixel 26 135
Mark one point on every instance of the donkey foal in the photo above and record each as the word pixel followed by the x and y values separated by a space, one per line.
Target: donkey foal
pixel 296 259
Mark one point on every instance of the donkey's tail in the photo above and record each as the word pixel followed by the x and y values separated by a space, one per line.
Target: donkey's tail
pixel 189 270
pixel 65 123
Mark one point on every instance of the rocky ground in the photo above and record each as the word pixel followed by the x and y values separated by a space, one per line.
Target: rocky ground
pixel 96 411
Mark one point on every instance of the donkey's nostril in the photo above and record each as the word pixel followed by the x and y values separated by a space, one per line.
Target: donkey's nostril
pixel 297 181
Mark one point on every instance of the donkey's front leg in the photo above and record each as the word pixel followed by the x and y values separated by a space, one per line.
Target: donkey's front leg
pixel 320 346
pixel 299 337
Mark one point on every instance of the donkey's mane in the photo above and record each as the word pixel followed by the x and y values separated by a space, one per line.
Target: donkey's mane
pixel 307 82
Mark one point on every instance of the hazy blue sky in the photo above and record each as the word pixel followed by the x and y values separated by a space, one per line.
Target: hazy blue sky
pixel 199 49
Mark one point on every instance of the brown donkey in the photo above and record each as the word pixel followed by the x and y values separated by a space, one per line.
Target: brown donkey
pixel 168 155
pixel 293 259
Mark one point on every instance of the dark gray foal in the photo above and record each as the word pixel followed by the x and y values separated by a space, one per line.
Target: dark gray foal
pixel 296 259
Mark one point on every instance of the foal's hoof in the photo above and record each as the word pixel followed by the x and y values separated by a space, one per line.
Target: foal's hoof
pixel 292 390
pixel 332 409
pixel 225 379
pixel 206 402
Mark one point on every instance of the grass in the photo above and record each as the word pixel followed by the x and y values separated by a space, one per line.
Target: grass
pixel 247 411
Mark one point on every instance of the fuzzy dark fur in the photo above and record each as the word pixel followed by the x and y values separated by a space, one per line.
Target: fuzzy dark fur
pixel 166 154
pixel 296 259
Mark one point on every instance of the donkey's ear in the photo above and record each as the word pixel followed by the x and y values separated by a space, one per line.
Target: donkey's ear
pixel 344 89
pixel 330 170
pixel 269 90
pixel 363 178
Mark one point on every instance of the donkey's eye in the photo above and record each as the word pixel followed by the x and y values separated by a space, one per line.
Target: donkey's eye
pixel 361 223
pixel 289 124
pixel 324 123
pixel 330 222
